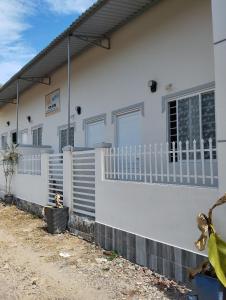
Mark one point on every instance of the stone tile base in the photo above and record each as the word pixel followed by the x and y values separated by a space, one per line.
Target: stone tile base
pixel 166 260
pixel 82 226
pixel 30 207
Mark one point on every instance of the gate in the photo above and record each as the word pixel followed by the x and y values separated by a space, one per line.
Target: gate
pixel 55 176
pixel 83 183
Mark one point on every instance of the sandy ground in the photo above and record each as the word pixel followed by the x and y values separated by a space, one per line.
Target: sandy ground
pixel 31 266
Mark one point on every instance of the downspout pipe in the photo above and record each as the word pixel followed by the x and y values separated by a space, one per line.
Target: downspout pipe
pixel 69 87
pixel 17 111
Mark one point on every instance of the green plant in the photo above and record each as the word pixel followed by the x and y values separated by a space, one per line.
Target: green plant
pixel 111 255
pixel 215 266
pixel 9 158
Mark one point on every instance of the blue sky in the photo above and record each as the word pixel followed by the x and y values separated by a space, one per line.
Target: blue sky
pixel 27 26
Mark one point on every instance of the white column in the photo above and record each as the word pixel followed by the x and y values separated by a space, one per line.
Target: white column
pixel 219 39
pixel 99 177
pixel 99 160
pixel 99 165
pixel 45 177
pixel 67 177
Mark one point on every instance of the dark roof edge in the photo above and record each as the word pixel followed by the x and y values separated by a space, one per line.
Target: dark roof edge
pixel 89 12
pixel 76 24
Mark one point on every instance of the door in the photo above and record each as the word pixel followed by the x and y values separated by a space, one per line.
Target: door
pixel 37 137
pixel 95 133
pixel 14 137
pixel 63 138
pixel 128 129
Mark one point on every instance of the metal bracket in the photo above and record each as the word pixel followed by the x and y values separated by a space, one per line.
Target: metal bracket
pixel 97 40
pixel 43 80
pixel 8 100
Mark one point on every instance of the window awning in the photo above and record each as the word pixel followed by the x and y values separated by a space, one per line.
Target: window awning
pixel 94 26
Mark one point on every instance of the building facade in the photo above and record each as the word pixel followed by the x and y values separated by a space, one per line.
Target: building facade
pixel 170 43
pixel 161 85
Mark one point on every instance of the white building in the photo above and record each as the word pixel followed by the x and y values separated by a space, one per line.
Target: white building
pixel 147 77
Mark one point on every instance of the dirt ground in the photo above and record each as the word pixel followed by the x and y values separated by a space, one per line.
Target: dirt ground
pixel 38 265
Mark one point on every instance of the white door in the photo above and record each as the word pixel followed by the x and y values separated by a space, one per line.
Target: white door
pixel 24 137
pixel 128 129
pixel 95 133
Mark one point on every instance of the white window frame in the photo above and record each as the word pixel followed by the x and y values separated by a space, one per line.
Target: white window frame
pixel 177 99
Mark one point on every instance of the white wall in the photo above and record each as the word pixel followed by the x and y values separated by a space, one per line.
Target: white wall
pixel 165 213
pixel 170 43
pixel 219 22
pixel 32 188
pixel 219 30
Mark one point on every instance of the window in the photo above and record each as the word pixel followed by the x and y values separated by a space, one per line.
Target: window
pixel 24 137
pixel 95 130
pixel 95 133
pixel 4 141
pixel 63 138
pixel 37 136
pixel 192 118
pixel 128 124
pixel 128 129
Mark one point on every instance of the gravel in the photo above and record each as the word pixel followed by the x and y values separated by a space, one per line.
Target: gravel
pixel 45 266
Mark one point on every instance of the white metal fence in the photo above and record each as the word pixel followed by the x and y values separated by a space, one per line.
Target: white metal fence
pixel 29 164
pixel 183 163
pixel 55 176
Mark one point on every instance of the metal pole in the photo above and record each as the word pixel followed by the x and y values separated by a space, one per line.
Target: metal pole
pixel 69 88
pixel 17 111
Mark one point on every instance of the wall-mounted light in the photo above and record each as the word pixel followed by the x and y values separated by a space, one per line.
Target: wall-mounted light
pixel 152 84
pixel 78 110
pixel 7 123
pixel 29 119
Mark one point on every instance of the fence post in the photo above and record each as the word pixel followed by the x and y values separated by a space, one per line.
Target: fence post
pixel 44 174
pixel 100 175
pixel 100 150
pixel 67 177
pixel 99 165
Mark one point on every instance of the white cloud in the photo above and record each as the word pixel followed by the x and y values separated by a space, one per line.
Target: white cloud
pixel 8 69
pixel 14 52
pixel 69 6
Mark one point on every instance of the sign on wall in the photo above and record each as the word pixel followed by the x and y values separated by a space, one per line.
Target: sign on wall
pixel 52 103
